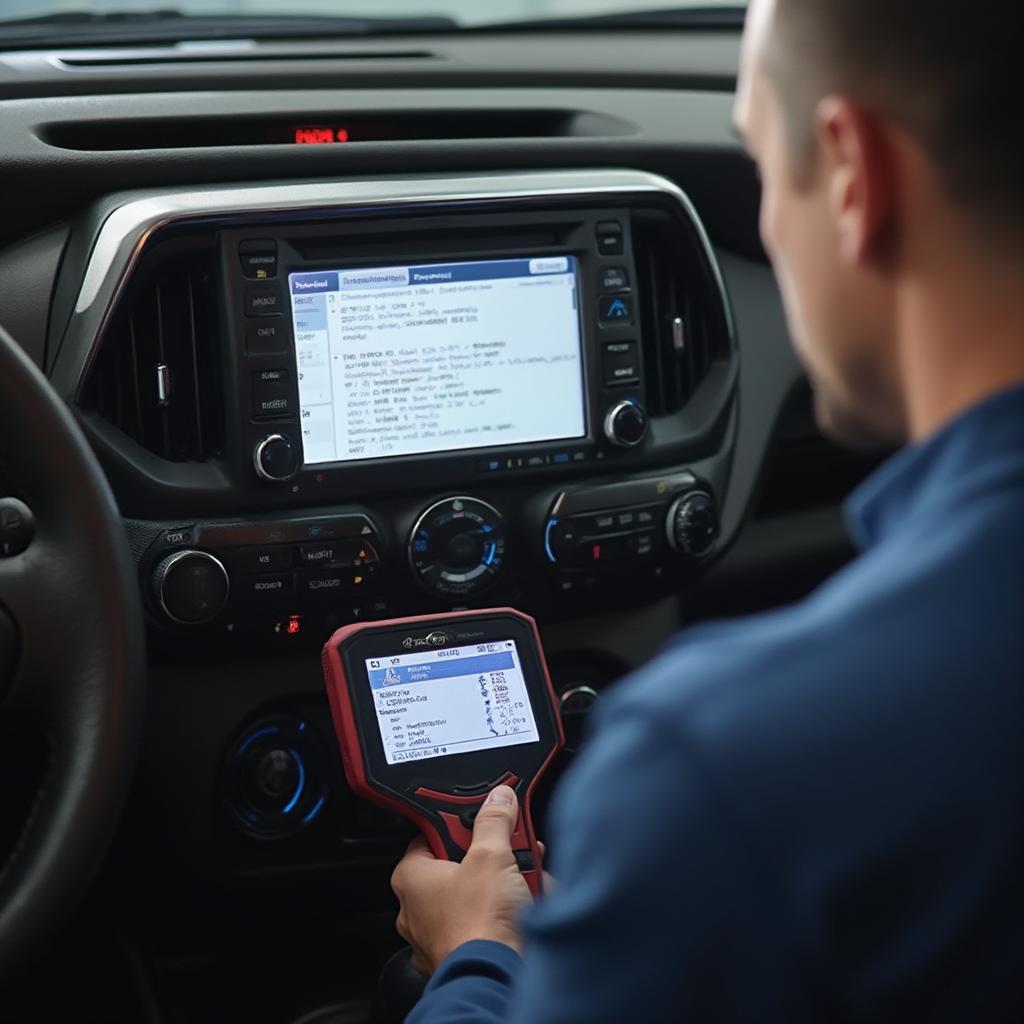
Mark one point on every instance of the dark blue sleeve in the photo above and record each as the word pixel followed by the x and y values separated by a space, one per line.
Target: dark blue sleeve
pixel 472 986
pixel 663 911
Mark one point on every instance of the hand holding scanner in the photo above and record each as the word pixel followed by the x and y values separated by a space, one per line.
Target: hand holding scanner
pixel 432 713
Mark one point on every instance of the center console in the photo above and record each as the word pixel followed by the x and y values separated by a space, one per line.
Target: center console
pixel 324 403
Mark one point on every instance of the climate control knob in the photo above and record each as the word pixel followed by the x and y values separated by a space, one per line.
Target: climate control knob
pixel 626 424
pixel 191 587
pixel 457 547
pixel 276 458
pixel 692 525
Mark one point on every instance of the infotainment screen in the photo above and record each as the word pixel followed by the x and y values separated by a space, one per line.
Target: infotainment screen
pixel 452 701
pixel 406 360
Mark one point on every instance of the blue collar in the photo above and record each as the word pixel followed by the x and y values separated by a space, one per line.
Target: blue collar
pixel 981 449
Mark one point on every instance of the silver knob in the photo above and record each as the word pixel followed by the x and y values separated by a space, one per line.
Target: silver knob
pixel 191 587
pixel 626 424
pixel 276 458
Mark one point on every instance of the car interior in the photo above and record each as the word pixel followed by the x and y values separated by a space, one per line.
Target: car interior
pixel 263 376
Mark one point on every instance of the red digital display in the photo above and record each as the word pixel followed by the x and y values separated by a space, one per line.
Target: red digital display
pixel 320 135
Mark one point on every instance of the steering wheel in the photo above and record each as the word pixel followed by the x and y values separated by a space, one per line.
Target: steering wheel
pixel 71 654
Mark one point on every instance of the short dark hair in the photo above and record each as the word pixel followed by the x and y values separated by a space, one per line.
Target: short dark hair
pixel 948 72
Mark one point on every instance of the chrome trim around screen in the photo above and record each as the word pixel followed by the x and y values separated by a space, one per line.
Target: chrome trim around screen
pixel 127 230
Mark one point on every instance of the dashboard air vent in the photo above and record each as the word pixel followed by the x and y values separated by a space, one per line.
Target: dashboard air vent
pixel 157 378
pixel 685 326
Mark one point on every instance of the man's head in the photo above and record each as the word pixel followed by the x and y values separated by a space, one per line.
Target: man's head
pixel 884 133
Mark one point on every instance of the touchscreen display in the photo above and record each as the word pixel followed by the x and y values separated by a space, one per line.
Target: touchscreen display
pixel 437 358
pixel 451 701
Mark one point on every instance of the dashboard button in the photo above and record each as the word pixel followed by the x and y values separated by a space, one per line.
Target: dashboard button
pixel 268 589
pixel 266 339
pixel 614 309
pixel 620 363
pixel 323 554
pixel 614 279
pixel 271 394
pixel 264 300
pixel 261 560
pixel 642 544
pixel 259 258
pixel 323 585
pixel 609 238
pixel 598 550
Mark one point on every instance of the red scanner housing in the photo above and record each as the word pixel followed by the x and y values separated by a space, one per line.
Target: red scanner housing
pixel 440 795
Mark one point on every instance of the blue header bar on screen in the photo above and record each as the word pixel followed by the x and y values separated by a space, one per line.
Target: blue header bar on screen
pixel 438 273
pixel 429 670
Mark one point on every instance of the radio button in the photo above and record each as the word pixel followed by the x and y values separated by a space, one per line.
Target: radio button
pixel 620 363
pixel 266 339
pixel 264 300
pixel 259 258
pixel 609 238
pixel 614 279
pixel 614 309
pixel 271 394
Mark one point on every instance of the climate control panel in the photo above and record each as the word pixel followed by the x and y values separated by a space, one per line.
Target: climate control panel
pixel 265 572
pixel 620 543
pixel 623 525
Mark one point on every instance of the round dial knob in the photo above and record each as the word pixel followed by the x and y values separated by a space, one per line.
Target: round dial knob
pixel 626 424
pixel 276 458
pixel 191 587
pixel 457 546
pixel 692 525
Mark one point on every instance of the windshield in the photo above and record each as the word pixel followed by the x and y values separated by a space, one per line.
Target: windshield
pixel 464 12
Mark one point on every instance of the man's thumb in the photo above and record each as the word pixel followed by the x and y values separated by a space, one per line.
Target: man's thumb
pixel 496 819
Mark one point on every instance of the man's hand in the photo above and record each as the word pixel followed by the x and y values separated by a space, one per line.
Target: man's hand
pixel 444 904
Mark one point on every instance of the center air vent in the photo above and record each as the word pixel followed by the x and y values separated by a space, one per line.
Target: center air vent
pixel 157 378
pixel 684 320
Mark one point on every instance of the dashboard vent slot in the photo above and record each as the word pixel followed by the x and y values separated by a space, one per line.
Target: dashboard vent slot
pixel 157 378
pixel 684 324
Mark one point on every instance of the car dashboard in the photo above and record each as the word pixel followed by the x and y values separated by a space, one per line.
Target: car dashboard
pixel 370 328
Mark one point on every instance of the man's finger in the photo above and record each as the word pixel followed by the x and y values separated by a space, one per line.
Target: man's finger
pixel 496 821
pixel 417 852
pixel 419 847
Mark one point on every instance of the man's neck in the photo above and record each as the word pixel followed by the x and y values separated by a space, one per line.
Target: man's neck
pixel 961 340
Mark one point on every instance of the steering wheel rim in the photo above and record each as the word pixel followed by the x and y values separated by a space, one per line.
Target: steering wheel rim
pixel 79 675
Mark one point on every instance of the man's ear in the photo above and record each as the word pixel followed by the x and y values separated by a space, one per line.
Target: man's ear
pixel 860 174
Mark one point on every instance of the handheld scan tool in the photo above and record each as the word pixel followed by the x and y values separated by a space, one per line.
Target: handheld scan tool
pixel 433 712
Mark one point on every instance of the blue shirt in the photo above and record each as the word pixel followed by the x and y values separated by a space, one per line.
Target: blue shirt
pixel 814 814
